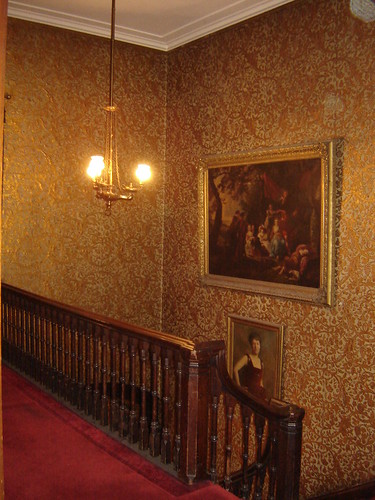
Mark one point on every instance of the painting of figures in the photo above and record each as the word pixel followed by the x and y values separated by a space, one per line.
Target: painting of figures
pixel 264 220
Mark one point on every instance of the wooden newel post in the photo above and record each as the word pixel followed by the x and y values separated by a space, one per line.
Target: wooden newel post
pixel 194 411
pixel 289 455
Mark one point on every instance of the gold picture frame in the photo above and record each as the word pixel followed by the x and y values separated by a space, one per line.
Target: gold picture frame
pixel 239 348
pixel 284 199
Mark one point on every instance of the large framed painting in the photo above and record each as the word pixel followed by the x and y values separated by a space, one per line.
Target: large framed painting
pixel 267 221
pixel 255 356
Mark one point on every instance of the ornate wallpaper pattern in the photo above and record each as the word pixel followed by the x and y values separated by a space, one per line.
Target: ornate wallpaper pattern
pixel 296 75
pixel 303 73
pixel 58 242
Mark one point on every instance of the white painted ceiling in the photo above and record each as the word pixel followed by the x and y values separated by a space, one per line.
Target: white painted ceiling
pixel 159 24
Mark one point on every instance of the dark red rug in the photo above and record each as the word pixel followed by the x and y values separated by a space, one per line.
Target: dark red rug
pixel 51 453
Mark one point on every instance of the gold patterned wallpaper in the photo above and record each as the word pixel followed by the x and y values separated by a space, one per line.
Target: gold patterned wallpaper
pixel 302 73
pixel 58 242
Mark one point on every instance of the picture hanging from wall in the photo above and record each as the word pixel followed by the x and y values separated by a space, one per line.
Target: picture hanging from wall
pixel 267 220
pixel 255 356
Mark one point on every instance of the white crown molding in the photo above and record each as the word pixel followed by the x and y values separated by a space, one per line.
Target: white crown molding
pixel 218 20
pixel 203 26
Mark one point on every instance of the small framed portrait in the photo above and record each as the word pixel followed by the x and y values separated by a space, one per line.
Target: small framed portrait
pixel 255 356
pixel 267 221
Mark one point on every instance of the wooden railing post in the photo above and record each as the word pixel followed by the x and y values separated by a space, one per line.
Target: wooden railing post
pixel 289 455
pixel 194 412
pixel 189 427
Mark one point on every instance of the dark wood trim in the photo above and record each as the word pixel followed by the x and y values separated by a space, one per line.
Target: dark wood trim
pixel 365 491
pixel 160 338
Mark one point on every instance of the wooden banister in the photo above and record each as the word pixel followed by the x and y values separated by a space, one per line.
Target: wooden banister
pixel 164 393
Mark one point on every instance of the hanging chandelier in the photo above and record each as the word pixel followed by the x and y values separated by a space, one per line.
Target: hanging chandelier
pixel 104 171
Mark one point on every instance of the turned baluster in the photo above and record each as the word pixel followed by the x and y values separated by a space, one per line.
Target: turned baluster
pixel 27 336
pixel 246 416
pixel 32 340
pixel 60 354
pixel 260 471
pixel 96 392
pixel 215 391
pixel 38 369
pixel 12 356
pixel 14 331
pixel 66 356
pixel 73 389
pixel 114 420
pixel 124 416
pixel 229 405
pixel 20 334
pixel 23 335
pixel 8 317
pixel 12 351
pixel 214 438
pixel 88 357
pixel 155 442
pixel 4 326
pixel 48 330
pixel 43 344
pixel 10 328
pixel 166 433
pixel 273 463
pixel 17 323
pixel 81 366
pixel 143 427
pixel 104 409
pixel 54 372
pixel 178 408
pixel 133 424
pixel 21 328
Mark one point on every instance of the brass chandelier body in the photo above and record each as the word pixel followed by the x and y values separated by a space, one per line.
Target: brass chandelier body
pixel 102 169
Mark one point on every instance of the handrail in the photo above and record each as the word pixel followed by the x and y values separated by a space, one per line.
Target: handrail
pixel 272 408
pixel 120 326
pixel 158 390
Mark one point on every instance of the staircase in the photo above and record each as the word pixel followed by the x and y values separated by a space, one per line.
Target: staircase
pixel 169 397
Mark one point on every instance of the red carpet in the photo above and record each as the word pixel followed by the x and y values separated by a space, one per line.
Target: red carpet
pixel 51 453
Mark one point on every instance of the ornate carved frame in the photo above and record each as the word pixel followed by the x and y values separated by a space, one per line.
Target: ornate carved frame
pixel 327 153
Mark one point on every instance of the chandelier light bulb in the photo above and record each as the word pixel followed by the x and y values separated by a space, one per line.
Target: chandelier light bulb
pixel 96 167
pixel 143 172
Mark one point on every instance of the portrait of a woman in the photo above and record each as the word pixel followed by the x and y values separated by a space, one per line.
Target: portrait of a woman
pixel 248 371
pixel 255 356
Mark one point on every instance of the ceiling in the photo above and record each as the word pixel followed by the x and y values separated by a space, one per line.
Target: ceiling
pixel 159 24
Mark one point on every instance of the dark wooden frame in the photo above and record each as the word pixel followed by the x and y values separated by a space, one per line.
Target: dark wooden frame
pixel 271 336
